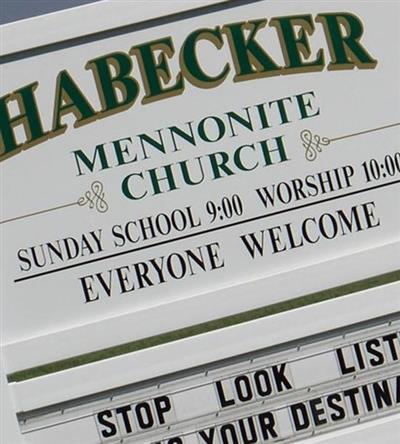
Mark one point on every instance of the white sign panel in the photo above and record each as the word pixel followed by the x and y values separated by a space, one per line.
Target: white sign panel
pixel 159 164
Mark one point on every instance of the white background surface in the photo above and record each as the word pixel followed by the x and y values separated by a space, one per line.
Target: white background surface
pixel 28 303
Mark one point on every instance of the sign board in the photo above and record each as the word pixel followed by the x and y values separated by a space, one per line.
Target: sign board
pixel 303 388
pixel 168 164
pixel 150 168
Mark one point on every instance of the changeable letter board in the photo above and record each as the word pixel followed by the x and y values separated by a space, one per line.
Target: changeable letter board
pixel 298 390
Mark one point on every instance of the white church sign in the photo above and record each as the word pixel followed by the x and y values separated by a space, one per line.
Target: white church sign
pixel 168 163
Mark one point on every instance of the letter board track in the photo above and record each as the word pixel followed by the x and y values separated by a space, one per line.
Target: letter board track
pixel 311 387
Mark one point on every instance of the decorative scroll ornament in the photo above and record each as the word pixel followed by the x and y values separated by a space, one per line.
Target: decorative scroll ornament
pixel 313 144
pixel 94 198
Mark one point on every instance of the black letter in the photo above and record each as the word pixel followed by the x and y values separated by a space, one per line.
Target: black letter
pixel 221 396
pixel 112 430
pixel 163 405
pixel 300 423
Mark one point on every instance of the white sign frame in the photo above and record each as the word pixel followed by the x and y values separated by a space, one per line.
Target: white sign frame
pixel 329 315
